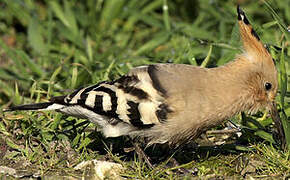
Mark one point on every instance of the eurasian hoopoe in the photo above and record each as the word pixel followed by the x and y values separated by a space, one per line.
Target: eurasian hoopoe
pixel 175 103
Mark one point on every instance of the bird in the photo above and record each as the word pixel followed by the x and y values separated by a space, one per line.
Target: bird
pixel 175 103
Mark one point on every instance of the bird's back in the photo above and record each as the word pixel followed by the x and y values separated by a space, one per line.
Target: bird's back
pixel 143 98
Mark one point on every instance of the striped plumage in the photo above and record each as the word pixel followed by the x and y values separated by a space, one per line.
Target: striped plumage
pixel 175 103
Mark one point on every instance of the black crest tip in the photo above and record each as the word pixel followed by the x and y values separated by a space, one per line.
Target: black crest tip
pixel 242 16
pixel 240 13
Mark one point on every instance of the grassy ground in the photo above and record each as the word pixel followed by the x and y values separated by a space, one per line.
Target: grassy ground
pixel 48 48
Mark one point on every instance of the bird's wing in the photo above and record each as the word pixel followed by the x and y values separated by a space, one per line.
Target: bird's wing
pixel 141 98
pixel 147 96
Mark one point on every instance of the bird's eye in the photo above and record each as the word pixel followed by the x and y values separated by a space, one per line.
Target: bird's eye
pixel 268 86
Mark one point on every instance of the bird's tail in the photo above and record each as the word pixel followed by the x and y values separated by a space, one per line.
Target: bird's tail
pixel 54 104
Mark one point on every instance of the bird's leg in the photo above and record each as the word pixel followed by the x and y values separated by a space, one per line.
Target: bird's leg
pixel 231 128
pixel 233 125
pixel 219 137
pixel 142 155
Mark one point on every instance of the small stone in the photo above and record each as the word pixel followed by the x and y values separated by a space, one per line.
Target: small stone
pixel 7 170
pixel 103 169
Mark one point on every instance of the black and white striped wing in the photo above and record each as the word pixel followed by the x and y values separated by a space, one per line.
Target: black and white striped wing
pixel 133 99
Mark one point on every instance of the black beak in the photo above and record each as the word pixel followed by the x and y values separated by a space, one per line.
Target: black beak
pixel 278 124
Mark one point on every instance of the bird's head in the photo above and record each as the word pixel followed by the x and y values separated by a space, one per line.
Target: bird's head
pixel 261 80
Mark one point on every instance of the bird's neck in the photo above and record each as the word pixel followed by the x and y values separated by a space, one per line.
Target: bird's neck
pixel 233 86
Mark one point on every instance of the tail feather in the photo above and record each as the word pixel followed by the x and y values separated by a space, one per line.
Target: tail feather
pixel 54 103
pixel 36 106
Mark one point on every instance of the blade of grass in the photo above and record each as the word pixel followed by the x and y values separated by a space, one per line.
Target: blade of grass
pixel 70 16
pixel 283 78
pixel 16 60
pixel 166 15
pixel 52 79
pixel 7 74
pixel 8 90
pixel 35 38
pixel 111 9
pixel 283 89
pixel 159 39
pixel 206 60
pixel 108 70
pixel 74 77
pixel 280 23
pixel 3 129
pixel 89 49
pixel 17 97
pixel 268 137
pixel 32 65
pixel 59 12
pixel 18 9
pixel 129 25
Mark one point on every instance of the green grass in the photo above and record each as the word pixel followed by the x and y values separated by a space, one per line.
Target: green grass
pixel 48 48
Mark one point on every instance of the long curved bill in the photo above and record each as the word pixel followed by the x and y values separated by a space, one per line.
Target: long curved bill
pixel 278 123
